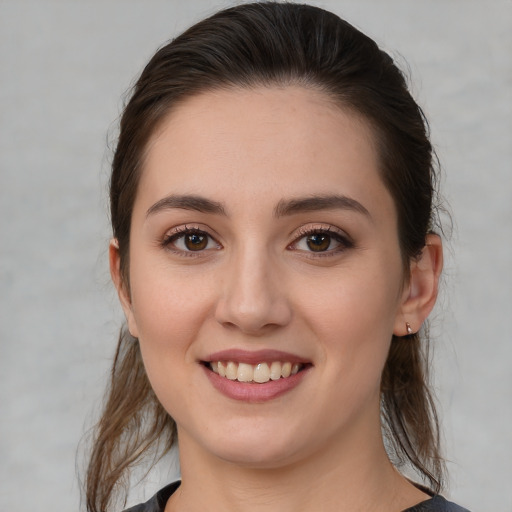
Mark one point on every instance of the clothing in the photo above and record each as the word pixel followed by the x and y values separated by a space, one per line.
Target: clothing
pixel 158 501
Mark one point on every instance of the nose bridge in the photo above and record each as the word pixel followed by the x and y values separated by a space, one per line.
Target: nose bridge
pixel 251 297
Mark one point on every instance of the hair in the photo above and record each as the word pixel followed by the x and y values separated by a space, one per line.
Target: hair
pixel 275 44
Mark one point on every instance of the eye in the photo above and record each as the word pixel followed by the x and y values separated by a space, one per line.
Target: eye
pixel 318 242
pixel 190 240
pixel 321 241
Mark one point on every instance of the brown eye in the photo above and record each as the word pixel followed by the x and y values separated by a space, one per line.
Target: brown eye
pixel 195 241
pixel 190 240
pixel 318 242
pixel 322 242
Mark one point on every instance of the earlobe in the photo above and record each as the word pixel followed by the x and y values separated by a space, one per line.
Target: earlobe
pixel 121 287
pixel 420 294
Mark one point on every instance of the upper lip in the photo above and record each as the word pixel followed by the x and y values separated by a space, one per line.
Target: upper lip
pixel 254 357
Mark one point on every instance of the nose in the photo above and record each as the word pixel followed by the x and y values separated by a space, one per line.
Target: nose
pixel 252 297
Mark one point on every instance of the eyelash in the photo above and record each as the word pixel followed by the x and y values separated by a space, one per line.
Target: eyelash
pixel 343 240
pixel 181 232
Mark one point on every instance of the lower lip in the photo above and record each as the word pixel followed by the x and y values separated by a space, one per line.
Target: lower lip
pixel 252 392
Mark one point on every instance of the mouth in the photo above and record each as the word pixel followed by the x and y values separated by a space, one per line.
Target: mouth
pixel 259 373
pixel 255 376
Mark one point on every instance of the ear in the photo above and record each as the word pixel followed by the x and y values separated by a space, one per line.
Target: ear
pixel 122 289
pixel 420 294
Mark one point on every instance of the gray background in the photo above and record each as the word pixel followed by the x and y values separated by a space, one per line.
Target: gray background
pixel 65 65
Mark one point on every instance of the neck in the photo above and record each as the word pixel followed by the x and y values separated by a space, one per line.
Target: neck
pixel 341 477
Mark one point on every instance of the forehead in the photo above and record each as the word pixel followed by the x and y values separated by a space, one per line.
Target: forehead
pixel 260 143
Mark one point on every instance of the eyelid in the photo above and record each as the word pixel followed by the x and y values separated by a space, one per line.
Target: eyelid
pixel 341 236
pixel 344 240
pixel 177 232
pixel 190 227
pixel 316 227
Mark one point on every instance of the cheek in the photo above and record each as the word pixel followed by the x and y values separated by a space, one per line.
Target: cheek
pixel 360 300
pixel 353 314
pixel 169 310
pixel 169 305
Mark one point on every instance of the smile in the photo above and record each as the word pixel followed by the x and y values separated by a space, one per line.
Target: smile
pixel 259 373
pixel 255 376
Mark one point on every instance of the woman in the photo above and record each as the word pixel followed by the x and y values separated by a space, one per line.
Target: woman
pixel 272 203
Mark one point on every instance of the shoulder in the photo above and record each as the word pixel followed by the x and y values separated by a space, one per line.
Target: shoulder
pixel 436 504
pixel 157 502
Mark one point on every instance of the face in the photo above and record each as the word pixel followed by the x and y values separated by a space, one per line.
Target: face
pixel 265 274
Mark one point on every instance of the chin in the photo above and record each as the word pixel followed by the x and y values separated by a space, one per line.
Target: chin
pixel 274 450
pixel 258 457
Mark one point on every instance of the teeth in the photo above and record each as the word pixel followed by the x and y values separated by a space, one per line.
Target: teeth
pixel 245 372
pixel 231 370
pixel 259 373
pixel 275 370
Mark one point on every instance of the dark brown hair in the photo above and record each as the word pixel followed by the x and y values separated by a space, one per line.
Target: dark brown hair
pixel 268 44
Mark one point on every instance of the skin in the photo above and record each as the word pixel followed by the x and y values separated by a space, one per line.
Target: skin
pixel 258 285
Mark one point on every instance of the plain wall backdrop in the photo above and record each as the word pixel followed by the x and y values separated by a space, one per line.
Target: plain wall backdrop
pixel 64 67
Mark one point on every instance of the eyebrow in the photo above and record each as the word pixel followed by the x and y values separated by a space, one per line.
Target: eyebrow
pixel 283 208
pixel 187 202
pixel 317 203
